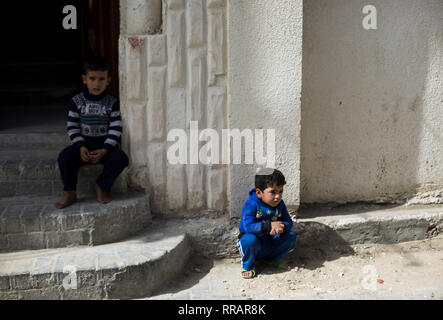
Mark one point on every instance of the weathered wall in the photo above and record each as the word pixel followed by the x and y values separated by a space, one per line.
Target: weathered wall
pixel 264 86
pixel 167 80
pixel 372 124
pixel 365 125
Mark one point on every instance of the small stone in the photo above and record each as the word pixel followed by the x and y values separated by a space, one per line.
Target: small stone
pixel 341 274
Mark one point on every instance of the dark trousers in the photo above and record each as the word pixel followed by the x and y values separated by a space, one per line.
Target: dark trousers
pixel 69 161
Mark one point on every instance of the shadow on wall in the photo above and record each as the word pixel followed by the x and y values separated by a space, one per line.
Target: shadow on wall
pixel 365 101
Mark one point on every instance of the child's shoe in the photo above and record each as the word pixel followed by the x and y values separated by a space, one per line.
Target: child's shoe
pixel 249 275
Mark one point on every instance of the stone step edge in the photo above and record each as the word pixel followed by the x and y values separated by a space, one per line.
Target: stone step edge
pixel 216 238
pixel 92 224
pixel 41 176
pixel 395 226
pixel 34 141
pixel 150 267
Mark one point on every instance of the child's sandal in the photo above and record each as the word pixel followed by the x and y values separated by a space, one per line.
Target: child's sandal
pixel 282 264
pixel 250 276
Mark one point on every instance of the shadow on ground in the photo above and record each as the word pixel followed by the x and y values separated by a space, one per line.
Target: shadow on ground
pixel 197 268
pixel 316 244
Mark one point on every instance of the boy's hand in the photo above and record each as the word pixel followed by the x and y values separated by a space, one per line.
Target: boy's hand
pixel 277 227
pixel 97 155
pixel 84 154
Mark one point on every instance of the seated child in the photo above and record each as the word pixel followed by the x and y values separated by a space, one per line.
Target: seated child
pixel 265 226
pixel 94 127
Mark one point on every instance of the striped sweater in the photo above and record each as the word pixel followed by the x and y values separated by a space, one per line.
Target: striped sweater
pixel 94 118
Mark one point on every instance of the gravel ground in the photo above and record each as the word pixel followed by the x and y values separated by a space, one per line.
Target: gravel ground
pixel 409 270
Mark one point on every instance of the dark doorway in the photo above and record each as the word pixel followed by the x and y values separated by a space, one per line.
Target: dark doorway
pixel 41 61
pixel 102 21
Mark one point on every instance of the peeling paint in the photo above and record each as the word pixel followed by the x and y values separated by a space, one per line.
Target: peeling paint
pixel 136 42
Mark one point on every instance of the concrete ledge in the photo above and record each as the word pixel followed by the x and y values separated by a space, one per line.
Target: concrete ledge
pixel 139 266
pixel 34 223
pixel 34 141
pixel 130 269
pixel 385 224
pixel 217 237
pixel 36 172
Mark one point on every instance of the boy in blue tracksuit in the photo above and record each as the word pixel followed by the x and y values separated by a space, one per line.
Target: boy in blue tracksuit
pixel 265 226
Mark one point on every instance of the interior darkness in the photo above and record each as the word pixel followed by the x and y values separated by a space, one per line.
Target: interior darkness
pixel 41 61
pixel 32 31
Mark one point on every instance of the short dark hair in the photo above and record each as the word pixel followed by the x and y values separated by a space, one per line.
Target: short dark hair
pixel 266 178
pixel 96 63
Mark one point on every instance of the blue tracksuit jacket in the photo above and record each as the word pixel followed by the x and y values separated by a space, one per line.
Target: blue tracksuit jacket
pixel 257 216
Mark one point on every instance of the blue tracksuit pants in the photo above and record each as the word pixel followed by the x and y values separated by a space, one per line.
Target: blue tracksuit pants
pixel 253 248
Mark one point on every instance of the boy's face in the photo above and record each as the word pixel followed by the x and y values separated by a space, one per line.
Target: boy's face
pixel 96 81
pixel 271 195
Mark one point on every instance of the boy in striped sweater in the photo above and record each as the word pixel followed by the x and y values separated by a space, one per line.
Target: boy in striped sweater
pixel 94 127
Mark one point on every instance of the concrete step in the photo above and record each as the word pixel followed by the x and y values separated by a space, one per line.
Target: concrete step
pixel 34 141
pixel 51 89
pixel 367 223
pixel 36 172
pixel 133 268
pixel 216 237
pixel 28 223
pixel 30 95
pixel 41 120
pixel 31 73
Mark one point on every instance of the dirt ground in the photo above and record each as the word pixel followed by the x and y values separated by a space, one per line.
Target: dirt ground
pixel 409 270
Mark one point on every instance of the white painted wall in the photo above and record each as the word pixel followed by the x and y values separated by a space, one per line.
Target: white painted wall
pixel 363 122
pixel 264 86
pixel 372 121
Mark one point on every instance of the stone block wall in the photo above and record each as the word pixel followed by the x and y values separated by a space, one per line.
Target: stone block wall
pixel 172 64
